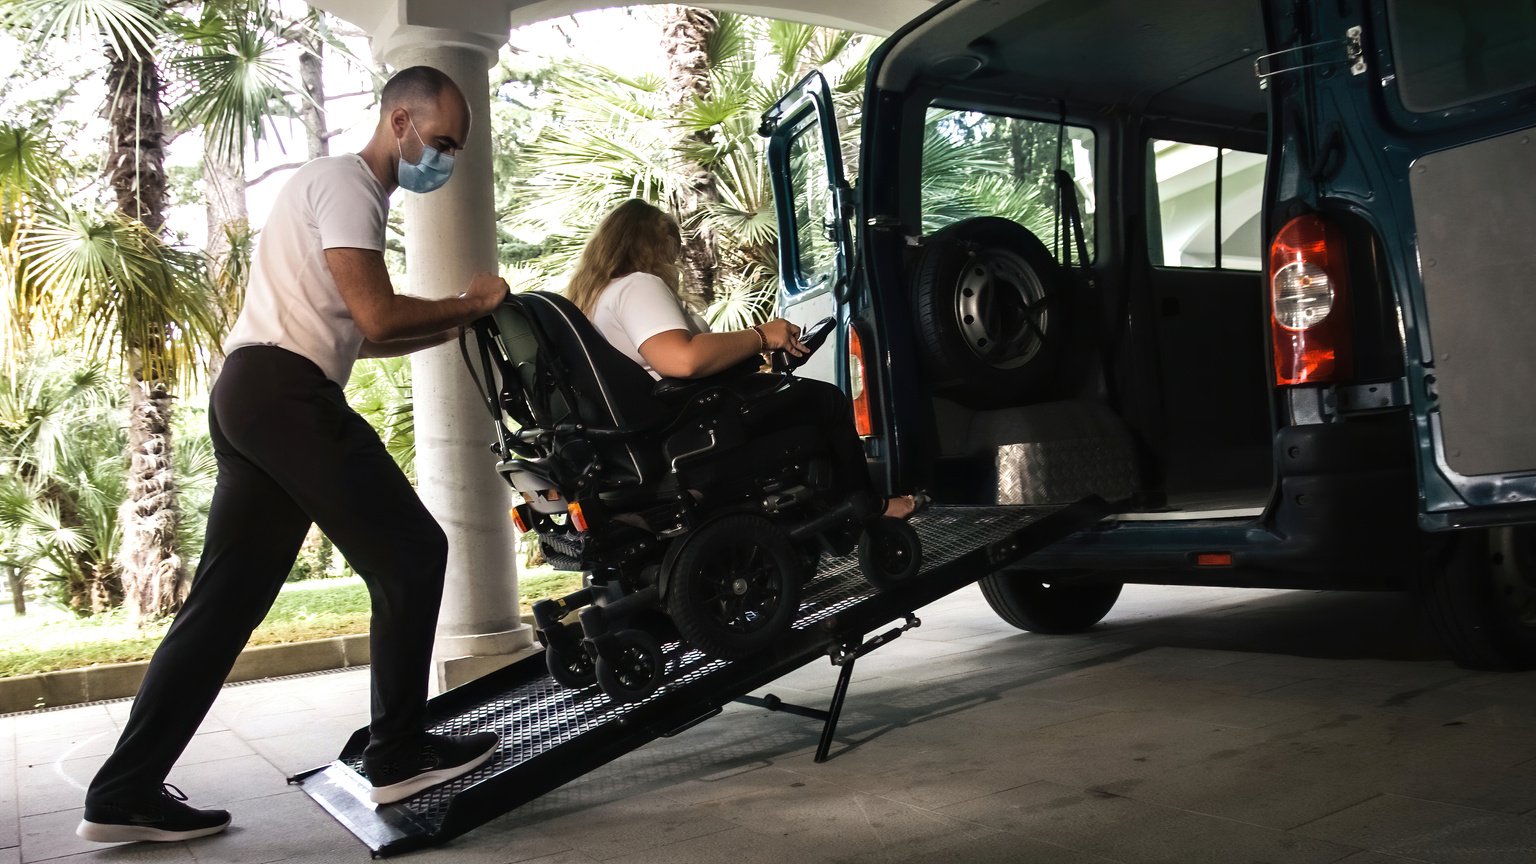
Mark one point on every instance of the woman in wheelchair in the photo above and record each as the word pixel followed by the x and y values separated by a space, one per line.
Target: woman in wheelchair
pixel 696 492
pixel 626 282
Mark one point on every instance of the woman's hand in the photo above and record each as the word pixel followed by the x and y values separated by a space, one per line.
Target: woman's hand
pixel 781 334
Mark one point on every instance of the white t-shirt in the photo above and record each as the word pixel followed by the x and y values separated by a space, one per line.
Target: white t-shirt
pixel 292 300
pixel 634 308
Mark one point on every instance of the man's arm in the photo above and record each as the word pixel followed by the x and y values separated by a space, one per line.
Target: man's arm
pixel 384 316
pixel 401 347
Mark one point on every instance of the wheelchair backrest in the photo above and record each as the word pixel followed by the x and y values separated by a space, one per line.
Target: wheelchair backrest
pixel 557 371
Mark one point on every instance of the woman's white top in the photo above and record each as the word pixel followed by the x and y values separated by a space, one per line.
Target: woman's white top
pixel 634 308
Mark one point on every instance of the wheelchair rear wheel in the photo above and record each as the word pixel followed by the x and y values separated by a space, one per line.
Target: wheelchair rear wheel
pixel 640 668
pixel 735 587
pixel 889 552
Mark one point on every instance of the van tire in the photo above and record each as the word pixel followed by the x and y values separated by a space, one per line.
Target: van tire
pixel 989 265
pixel 1479 594
pixel 1031 600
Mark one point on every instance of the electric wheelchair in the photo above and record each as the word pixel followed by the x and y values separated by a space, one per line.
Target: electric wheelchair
pixel 693 515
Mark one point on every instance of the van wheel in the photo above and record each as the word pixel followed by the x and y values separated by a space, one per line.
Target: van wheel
pixel 1029 601
pixel 989 302
pixel 1480 595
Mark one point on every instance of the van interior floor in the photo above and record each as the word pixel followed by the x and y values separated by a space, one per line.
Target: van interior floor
pixel 1184 503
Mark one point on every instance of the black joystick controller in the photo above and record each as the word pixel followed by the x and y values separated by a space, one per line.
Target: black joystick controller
pixel 811 338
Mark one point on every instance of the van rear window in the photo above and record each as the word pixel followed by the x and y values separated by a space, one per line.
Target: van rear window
pixel 1450 54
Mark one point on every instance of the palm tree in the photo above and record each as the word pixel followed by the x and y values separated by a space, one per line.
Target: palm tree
pixel 612 137
pixel 111 275
pixel 977 164
pixel 27 170
pixel 76 254
pixel 380 391
pixel 61 477
pixel 113 283
pixel 232 64
pixel 686 33
pixel 75 275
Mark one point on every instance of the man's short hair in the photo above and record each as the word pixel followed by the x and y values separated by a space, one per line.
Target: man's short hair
pixel 413 86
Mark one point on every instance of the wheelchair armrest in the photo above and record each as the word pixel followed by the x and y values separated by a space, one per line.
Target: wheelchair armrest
pixel 675 388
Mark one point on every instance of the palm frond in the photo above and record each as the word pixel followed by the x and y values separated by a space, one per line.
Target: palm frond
pixel 788 42
pixel 731 44
pixel 29 162
pixel 743 298
pixel 50 410
pixel 131 27
pixel 235 76
pixel 715 109
pixel 380 391
pixel 114 283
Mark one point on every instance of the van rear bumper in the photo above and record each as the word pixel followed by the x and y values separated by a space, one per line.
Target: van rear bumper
pixel 1342 516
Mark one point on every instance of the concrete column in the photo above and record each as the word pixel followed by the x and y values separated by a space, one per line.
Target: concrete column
pixel 450 234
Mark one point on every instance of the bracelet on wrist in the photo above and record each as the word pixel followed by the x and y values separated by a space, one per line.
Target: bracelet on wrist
pixel 762 339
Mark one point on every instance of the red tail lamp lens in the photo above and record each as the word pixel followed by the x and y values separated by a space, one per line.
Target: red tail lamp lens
pixel 1309 302
pixel 858 385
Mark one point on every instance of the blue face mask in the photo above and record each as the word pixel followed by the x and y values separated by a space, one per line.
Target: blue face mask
pixel 431 172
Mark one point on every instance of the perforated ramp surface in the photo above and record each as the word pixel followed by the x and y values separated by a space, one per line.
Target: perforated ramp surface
pixel 551 735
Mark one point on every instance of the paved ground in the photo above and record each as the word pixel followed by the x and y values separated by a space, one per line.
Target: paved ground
pixel 1195 725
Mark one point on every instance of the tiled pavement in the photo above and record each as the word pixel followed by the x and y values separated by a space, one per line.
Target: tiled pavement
pixel 1196 725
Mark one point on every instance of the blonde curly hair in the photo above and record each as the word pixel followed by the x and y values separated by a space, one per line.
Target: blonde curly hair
pixel 635 237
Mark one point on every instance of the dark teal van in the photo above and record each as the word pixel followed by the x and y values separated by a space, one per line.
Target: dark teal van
pixel 1264 271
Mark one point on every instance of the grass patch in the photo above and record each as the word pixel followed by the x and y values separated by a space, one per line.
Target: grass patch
pixel 48 640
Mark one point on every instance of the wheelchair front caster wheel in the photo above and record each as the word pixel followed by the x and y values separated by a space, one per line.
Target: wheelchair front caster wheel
pixel 638 671
pixel 571 668
pixel 889 552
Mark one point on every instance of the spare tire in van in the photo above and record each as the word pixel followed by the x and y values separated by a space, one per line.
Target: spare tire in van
pixel 990 308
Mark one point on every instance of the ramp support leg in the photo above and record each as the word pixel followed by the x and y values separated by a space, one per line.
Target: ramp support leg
pixel 835 710
pixel 843 655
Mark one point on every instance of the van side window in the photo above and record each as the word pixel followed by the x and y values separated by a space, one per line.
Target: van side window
pixel 815 251
pixel 979 164
pixel 1205 193
pixel 1450 54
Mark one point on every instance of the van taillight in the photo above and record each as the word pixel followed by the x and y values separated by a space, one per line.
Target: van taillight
pixel 858 386
pixel 1309 302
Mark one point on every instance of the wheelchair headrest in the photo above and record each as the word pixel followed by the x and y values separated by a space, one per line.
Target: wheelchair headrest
pixel 562 369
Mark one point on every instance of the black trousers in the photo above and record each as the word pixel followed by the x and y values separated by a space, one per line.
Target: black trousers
pixel 290 452
pixel 828 408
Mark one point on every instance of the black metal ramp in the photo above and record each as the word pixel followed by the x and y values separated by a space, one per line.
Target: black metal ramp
pixel 551 735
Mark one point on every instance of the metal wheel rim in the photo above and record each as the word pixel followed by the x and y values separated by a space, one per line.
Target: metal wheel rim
pixel 636 670
pixel 735 607
pixel 893 556
pixel 1512 565
pixel 581 665
pixel 1001 309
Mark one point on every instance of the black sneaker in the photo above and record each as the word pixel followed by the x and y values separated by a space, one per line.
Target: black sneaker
pixel 439 759
pixel 164 820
